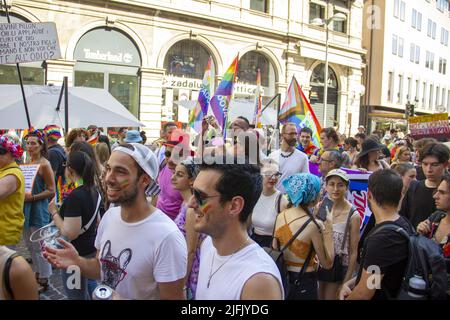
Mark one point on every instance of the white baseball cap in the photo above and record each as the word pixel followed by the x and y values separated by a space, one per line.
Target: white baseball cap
pixel 145 158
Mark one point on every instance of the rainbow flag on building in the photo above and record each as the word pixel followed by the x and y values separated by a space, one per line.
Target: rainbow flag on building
pixel 221 99
pixel 258 101
pixel 297 109
pixel 204 97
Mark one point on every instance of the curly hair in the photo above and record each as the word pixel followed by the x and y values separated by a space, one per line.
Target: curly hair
pixel 73 134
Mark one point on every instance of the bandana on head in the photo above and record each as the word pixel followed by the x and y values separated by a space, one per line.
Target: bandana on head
pixel 302 188
pixel 36 133
pixel 14 148
pixel 191 167
pixel 52 132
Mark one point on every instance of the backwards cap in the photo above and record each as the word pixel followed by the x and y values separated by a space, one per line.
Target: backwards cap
pixel 144 157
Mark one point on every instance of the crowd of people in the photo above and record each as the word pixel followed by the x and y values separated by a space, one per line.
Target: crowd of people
pixel 194 218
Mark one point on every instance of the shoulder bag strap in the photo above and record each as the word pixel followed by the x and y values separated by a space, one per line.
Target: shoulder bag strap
pixel 278 211
pixel 96 213
pixel 347 227
pixel 279 202
pixel 296 234
pixel 6 280
pixel 307 260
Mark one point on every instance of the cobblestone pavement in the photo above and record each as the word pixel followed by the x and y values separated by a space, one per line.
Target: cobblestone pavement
pixel 55 289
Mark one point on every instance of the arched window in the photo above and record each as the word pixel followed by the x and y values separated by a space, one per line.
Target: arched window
pixel 32 72
pixel 248 68
pixel 186 58
pixel 316 95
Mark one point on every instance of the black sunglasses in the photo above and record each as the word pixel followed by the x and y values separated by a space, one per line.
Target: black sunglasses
pixel 201 198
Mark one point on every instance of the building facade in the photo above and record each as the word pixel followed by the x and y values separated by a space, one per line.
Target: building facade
pixel 149 54
pixel 407 60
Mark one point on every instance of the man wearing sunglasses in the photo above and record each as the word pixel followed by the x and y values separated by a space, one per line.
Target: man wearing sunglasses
pixel 141 253
pixel 12 192
pixel 232 266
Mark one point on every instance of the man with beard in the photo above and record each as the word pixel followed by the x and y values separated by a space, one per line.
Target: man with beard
pixel 141 253
pixel 290 159
pixel 232 266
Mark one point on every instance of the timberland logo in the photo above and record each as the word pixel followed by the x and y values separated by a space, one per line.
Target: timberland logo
pixel 108 56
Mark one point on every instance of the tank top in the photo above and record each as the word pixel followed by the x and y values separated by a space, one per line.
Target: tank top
pixel 228 281
pixel 265 213
pixel 11 208
pixel 5 254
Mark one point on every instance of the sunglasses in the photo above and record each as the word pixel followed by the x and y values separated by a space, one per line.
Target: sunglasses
pixel 3 151
pixel 201 198
pixel 272 174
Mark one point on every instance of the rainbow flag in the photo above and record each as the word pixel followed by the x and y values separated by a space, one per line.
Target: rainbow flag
pixel 93 139
pixel 221 99
pixel 258 101
pixel 297 109
pixel 59 191
pixel 204 97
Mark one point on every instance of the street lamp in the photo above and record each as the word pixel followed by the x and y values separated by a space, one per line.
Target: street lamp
pixel 326 22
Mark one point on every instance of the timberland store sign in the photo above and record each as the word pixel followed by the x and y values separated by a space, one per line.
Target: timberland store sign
pixel 195 84
pixel 120 57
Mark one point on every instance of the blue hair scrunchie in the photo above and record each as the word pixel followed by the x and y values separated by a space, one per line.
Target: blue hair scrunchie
pixel 302 188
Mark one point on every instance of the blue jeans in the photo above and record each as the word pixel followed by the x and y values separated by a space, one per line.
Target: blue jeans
pixel 85 288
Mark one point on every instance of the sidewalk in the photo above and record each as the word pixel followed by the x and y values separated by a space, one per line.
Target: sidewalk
pixel 55 289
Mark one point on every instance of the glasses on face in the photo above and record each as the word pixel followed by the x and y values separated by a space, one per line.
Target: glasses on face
pixel 200 198
pixel 271 174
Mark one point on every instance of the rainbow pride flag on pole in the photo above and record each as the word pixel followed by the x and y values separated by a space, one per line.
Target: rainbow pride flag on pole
pixel 297 109
pixel 258 101
pixel 204 97
pixel 221 99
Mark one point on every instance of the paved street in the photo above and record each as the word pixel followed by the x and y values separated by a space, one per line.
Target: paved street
pixel 55 289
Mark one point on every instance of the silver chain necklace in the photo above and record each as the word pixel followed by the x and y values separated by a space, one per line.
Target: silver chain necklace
pixel 211 274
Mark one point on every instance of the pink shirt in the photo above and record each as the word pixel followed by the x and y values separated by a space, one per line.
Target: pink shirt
pixel 169 200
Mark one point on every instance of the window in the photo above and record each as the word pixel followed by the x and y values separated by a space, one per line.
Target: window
pixel 442 65
pixel 436 104
pixel 419 21
pixel 412 51
pixel 444 36
pixel 433 35
pixel 414 18
pixel 417 54
pixel 448 100
pixel 417 89
pixel 396 8
pixel 408 96
pixel 260 5
pixel 443 97
pixel 340 26
pixel 316 11
pixel 424 94
pixel 429 29
pixel 400 89
pixel 394 44
pixel 402 11
pixel 432 61
pixel 442 5
pixel 429 62
pixel 430 102
pixel 389 96
pixel 400 47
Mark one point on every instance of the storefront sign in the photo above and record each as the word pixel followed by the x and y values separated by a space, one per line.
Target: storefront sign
pixel 195 84
pixel 121 57
pixel 28 42
pixel 433 125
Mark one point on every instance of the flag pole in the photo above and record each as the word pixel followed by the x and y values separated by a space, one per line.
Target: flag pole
pixel 19 73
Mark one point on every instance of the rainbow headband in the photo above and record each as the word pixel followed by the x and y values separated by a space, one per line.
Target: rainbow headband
pixel 14 148
pixel 36 133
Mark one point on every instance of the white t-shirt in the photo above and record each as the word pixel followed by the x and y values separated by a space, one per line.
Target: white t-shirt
pixel 134 257
pixel 265 213
pixel 295 163
pixel 228 281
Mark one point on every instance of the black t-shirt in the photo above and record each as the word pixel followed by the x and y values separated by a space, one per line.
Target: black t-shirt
pixel 388 250
pixel 418 203
pixel 81 202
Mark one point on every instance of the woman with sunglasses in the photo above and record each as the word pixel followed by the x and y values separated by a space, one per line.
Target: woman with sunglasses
pixel 36 203
pixel 182 180
pixel 270 204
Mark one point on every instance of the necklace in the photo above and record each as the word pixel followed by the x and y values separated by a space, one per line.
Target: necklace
pixel 290 154
pixel 211 274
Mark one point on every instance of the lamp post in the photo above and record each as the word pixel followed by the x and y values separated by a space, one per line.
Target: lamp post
pixel 326 22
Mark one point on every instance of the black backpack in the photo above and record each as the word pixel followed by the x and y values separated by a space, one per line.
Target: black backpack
pixel 426 260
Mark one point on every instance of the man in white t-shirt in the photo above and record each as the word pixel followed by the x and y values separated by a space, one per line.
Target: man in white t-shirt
pixel 141 253
pixel 232 266
pixel 289 158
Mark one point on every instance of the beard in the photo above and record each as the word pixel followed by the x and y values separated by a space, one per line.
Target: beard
pixel 128 198
pixel 291 142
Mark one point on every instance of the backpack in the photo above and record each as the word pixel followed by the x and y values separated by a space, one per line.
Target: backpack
pixel 426 260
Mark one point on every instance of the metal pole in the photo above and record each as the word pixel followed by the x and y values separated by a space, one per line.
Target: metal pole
pixel 66 103
pixel 19 74
pixel 325 87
